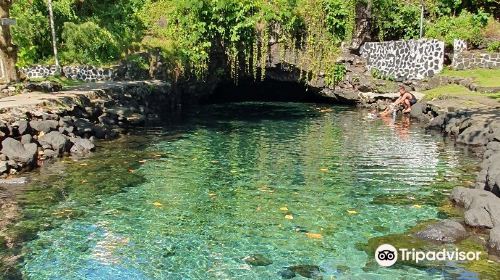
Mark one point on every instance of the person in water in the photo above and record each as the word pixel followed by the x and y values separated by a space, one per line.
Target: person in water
pixel 406 98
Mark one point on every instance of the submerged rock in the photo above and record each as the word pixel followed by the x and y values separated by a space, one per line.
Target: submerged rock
pixel 257 260
pixel 494 241
pixel 306 270
pixel 287 274
pixel 445 231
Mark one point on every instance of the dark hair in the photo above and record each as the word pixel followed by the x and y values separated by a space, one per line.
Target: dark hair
pixel 402 87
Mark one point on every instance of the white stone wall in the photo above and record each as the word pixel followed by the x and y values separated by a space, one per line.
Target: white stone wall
pixel 405 60
pixel 83 72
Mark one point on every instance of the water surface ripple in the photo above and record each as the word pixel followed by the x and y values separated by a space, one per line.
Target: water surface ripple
pixel 296 183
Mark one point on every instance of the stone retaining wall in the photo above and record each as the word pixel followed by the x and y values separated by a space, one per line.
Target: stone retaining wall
pixel 84 72
pixel 404 60
pixel 464 59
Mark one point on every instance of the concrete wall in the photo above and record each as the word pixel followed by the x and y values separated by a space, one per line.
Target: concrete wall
pixel 404 60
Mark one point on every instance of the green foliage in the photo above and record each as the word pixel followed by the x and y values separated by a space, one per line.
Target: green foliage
pixel 339 18
pixel 393 20
pixel 456 7
pixel 193 33
pixel 335 74
pixel 494 46
pixel 467 26
pixel 32 33
pixel 231 36
pixel 88 43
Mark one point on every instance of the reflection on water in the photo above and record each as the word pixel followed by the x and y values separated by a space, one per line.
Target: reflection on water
pixel 297 184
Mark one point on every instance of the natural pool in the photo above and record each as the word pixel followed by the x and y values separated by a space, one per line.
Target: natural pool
pixel 300 184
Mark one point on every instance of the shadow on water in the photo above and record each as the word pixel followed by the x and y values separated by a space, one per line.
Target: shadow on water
pixel 265 91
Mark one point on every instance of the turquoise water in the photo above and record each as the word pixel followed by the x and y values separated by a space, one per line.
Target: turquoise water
pixel 300 184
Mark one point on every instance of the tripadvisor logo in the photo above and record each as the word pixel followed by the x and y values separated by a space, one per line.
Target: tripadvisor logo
pixel 387 255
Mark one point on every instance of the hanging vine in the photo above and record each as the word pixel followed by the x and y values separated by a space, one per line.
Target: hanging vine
pixel 309 32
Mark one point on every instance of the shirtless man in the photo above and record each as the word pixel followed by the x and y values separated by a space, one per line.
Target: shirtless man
pixel 406 98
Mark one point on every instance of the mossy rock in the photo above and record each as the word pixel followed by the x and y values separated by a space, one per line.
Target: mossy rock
pixel 394 199
pixel 257 260
pixel 488 269
pixel 25 231
pixel 3 243
pixel 448 210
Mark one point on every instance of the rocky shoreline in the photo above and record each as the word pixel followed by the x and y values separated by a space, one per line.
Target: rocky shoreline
pixel 69 122
pixel 479 128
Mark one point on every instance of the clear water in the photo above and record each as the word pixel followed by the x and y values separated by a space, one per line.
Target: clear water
pixel 191 200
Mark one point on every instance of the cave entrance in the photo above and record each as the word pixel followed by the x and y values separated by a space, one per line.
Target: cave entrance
pixel 267 90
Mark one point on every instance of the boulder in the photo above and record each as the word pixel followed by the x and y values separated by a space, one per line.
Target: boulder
pixel 45 86
pixel 478 217
pixel 4 167
pixel 48 153
pixel 83 126
pixel 436 122
pixel 447 231
pixel 26 139
pixel 482 207
pixel 57 141
pixel 22 127
pixel 24 154
pixel 66 121
pixel 44 126
pixel 81 146
pixel 476 134
pixel 494 241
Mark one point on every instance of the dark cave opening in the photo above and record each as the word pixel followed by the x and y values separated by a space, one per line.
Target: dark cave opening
pixel 267 90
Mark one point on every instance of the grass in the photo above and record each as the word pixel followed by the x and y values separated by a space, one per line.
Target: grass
pixel 483 77
pixel 455 91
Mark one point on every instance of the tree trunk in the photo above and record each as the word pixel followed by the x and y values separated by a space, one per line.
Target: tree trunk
pixel 362 30
pixel 54 39
pixel 8 52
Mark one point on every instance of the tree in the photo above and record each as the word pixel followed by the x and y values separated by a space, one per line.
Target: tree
pixel 8 52
pixel 54 39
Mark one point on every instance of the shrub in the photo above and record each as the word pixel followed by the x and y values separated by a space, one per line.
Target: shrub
pixel 395 20
pixel 494 46
pixel 339 18
pixel 466 26
pixel 88 43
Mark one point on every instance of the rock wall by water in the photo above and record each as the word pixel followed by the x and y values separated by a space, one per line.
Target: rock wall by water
pixel 32 134
pixel 404 60
pixel 464 59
